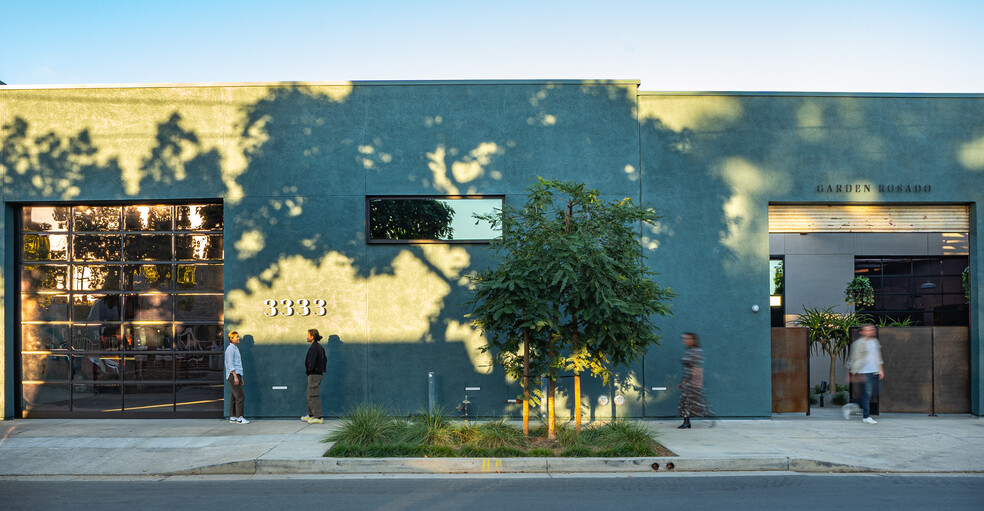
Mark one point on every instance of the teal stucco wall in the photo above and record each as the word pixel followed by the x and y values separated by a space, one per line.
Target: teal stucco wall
pixel 712 164
pixel 293 163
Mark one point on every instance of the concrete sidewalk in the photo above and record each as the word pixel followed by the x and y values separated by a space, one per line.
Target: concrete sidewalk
pixel 822 442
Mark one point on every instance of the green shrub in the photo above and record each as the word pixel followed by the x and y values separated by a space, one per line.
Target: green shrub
pixel 540 452
pixel 341 450
pixel 441 451
pixel 365 425
pixel 430 428
pixel 473 451
pixel 839 399
pixel 577 452
pixel 491 435
pixel 507 452
pixel 621 433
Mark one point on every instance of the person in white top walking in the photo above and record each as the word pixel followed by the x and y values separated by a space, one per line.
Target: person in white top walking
pixel 865 364
pixel 234 375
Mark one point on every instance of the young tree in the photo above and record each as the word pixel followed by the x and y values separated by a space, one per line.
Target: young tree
pixel 572 279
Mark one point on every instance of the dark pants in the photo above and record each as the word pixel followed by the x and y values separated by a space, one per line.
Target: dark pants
pixel 238 398
pixel 314 395
pixel 867 390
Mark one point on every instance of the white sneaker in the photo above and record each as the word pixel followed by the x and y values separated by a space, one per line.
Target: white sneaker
pixel 242 420
pixel 868 420
pixel 233 420
pixel 846 410
pixel 306 418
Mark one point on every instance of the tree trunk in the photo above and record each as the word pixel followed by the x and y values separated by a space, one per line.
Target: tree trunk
pixel 526 382
pixel 551 416
pixel 577 380
pixel 831 384
pixel 551 388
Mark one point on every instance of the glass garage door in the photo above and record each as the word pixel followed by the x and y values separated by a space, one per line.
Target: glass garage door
pixel 120 310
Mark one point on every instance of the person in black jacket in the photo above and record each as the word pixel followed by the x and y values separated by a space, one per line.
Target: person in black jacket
pixel 314 366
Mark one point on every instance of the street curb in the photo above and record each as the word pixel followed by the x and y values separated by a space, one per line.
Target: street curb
pixel 519 465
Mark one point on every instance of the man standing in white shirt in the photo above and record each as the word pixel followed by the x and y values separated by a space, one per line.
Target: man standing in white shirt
pixel 865 364
pixel 234 375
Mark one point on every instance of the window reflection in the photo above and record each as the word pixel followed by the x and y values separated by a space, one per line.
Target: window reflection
pixel 148 367
pixel 44 307
pixel 202 278
pixel 96 277
pixel 149 398
pixel 96 308
pixel 45 367
pixel 45 397
pixel 147 277
pixel 45 218
pixel 198 218
pixel 147 337
pixel 431 219
pixel 101 397
pixel 198 247
pixel 147 247
pixel 101 337
pixel 40 247
pixel 89 319
pixel 44 278
pixel 96 367
pixel 147 218
pixel 198 307
pixel 96 247
pixel 97 218
pixel 147 307
pixel 44 337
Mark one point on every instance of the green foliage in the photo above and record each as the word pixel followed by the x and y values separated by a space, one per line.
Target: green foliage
pixel 492 435
pixel 366 431
pixel 431 428
pixel 570 266
pixel 778 278
pixel 474 451
pixel 895 322
pixel 365 425
pixel 839 399
pixel 829 332
pixel 965 280
pixel 410 219
pixel 577 452
pixel 859 292
pixel 507 452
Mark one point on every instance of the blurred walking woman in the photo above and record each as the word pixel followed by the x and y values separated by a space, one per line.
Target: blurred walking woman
pixel 692 400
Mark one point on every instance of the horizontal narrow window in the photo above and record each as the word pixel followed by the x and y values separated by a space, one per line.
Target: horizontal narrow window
pixel 431 219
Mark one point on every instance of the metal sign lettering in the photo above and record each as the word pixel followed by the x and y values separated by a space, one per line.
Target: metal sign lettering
pixel 287 307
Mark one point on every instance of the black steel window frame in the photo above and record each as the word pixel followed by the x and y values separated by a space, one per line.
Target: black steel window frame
pixel 378 241
pixel 898 280
pixel 172 355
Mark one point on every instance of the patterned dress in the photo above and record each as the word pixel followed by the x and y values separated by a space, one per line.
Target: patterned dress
pixel 692 400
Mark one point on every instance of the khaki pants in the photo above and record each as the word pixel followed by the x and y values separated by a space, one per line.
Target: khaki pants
pixel 314 395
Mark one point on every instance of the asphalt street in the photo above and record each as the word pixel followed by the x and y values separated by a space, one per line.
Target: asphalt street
pixel 497 492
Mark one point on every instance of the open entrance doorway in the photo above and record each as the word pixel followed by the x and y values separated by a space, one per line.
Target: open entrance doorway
pixel 914 257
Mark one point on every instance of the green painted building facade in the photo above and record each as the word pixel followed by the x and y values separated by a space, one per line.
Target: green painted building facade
pixel 290 167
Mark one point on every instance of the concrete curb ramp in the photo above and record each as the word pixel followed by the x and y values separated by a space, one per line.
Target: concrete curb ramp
pixel 521 465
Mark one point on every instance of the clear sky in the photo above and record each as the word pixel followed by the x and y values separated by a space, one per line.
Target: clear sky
pixel 712 45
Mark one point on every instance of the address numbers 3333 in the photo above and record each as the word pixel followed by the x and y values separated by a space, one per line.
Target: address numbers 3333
pixel 301 307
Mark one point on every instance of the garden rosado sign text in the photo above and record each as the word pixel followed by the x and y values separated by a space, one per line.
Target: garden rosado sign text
pixel 868 188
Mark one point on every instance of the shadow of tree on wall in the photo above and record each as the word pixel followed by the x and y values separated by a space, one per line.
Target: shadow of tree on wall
pixel 295 210
pixel 50 166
